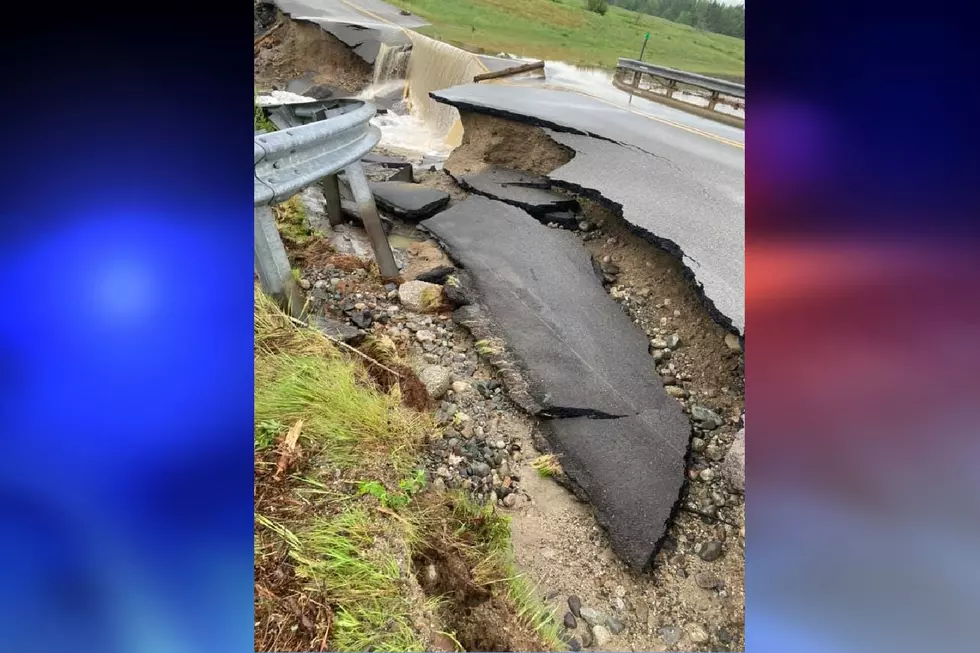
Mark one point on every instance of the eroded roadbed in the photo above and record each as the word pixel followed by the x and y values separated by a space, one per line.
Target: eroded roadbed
pixel 679 187
pixel 621 438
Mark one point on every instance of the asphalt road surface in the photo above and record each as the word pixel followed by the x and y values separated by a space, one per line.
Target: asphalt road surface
pixel 681 186
pixel 621 439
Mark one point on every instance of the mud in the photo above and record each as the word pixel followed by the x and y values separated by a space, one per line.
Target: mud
pixel 303 49
pixel 488 140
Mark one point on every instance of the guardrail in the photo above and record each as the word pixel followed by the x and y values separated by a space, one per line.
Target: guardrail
pixel 289 160
pixel 664 82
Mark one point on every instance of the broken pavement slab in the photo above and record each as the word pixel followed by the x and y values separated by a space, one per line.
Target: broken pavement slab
pixel 621 439
pixel 678 186
pixel 528 192
pixel 408 201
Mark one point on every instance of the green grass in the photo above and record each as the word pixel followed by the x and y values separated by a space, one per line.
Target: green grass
pixel 350 549
pixel 259 119
pixel 563 30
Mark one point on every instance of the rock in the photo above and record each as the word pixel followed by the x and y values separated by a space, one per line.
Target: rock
pixel 615 625
pixel 723 635
pixel 658 343
pixel 436 275
pixel 420 296
pixel 618 605
pixel 438 485
pixel 697 444
pixel 512 500
pixel 660 354
pixel 673 341
pixel 707 419
pixel 305 284
pixel 601 635
pixel 707 474
pixel 732 468
pixel 697 634
pixel 436 379
pixel 711 551
pixel 462 387
pixel 642 613
pixel 338 330
pixel 573 645
pixel 481 469
pixel 733 343
pixel 424 335
pixel 676 391
pixel 570 621
pixel 584 226
pixel 610 268
pixel 575 605
pixel 592 616
pixel 670 634
pixel 362 319
pixel 707 580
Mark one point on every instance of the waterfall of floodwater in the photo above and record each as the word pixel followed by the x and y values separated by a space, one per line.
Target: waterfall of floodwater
pixel 391 63
pixel 433 66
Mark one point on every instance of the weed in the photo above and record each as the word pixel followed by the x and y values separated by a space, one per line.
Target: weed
pixel 266 433
pixel 547 465
pixel 260 120
pixel 291 221
pixel 488 348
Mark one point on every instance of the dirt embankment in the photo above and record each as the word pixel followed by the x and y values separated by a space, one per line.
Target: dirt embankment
pixel 302 49
pixel 489 140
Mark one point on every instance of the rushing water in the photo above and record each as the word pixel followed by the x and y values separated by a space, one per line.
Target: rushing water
pixel 425 128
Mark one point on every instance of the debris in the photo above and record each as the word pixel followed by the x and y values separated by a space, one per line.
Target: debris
pixel 288 449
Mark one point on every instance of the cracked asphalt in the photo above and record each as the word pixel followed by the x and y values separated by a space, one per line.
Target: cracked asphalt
pixel 681 187
pixel 621 438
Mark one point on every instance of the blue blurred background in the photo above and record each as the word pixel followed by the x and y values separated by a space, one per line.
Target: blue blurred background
pixel 126 345
pixel 125 483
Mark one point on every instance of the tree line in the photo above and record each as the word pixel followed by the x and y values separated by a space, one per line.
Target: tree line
pixel 700 14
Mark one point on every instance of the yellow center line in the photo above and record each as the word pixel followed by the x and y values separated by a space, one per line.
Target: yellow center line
pixel 480 63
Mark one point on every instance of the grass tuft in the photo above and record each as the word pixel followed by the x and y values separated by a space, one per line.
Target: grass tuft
pixel 547 465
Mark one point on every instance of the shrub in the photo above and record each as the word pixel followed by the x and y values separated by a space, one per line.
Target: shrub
pixel 598 6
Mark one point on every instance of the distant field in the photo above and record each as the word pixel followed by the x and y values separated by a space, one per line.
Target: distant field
pixel 563 30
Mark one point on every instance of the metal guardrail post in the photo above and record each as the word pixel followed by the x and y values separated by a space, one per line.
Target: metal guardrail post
pixel 331 192
pixel 293 158
pixel 272 264
pixel 361 191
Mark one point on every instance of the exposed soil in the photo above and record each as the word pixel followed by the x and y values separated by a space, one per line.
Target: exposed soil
pixel 489 140
pixel 299 49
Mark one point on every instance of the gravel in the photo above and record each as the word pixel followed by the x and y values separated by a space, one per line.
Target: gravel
pixel 711 551
pixel 706 418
